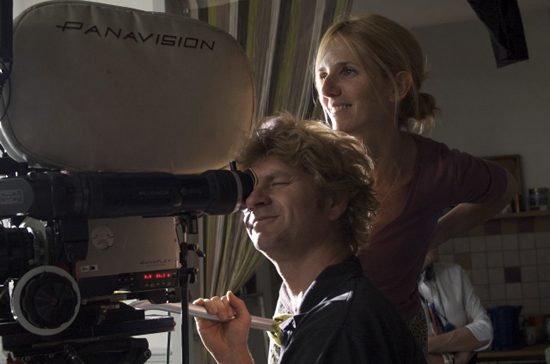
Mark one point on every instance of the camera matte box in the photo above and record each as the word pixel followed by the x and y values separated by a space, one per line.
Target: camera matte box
pixel 96 87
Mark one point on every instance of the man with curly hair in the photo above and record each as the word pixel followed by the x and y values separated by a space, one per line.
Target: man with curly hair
pixel 310 214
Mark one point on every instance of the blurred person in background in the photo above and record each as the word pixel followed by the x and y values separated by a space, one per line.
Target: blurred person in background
pixel 458 325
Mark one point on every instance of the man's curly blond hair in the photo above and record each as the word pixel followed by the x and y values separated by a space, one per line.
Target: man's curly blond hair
pixel 337 162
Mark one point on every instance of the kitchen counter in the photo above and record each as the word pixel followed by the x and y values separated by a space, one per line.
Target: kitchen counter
pixel 528 354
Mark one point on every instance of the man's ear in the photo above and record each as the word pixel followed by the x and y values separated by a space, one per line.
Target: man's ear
pixel 403 82
pixel 337 205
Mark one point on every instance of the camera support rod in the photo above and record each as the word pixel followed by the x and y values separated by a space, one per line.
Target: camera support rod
pixel 188 224
pixel 258 323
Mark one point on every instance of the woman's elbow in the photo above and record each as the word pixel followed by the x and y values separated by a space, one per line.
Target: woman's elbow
pixel 511 188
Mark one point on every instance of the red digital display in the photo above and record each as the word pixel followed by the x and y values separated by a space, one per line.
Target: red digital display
pixel 157 276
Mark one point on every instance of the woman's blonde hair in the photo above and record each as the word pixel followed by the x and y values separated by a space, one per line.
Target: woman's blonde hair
pixel 337 162
pixel 384 48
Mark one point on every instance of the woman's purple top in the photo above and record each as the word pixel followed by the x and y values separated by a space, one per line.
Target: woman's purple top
pixel 442 179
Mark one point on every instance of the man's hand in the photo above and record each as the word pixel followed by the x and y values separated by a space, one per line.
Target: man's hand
pixel 227 340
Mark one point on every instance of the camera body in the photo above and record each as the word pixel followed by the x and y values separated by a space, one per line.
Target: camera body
pixel 64 281
pixel 74 247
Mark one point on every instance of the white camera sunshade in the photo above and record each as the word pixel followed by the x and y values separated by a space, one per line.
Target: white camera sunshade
pixel 104 88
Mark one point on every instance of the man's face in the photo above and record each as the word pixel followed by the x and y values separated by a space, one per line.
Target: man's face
pixel 285 214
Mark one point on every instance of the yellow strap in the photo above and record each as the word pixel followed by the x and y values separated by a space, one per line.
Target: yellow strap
pixel 276 333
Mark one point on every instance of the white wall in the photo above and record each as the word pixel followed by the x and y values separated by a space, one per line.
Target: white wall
pixel 488 111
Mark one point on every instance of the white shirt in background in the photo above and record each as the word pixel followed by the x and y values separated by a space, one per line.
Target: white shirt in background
pixel 455 301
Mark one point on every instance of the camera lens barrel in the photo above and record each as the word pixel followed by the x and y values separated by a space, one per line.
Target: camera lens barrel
pixel 53 195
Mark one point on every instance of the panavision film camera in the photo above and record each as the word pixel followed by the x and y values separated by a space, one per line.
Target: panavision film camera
pixel 116 125
pixel 72 248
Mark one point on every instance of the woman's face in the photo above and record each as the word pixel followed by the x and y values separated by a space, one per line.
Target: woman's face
pixel 349 96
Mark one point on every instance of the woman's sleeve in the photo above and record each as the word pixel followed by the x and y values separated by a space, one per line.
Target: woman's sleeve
pixel 478 180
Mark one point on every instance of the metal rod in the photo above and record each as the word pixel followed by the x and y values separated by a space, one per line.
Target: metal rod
pixel 258 323
pixel 184 222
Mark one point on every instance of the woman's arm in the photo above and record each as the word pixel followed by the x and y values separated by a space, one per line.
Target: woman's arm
pixel 466 216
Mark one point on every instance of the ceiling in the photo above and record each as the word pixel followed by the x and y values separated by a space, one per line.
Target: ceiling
pixel 422 13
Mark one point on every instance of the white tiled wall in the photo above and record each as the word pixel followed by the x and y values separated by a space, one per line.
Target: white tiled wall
pixel 487 258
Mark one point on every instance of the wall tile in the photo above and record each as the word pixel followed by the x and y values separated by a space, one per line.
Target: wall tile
pixel 494 259
pixel 510 242
pixel 497 292
pixel 542 239
pixel 512 274
pixel 447 258
pixel 482 291
pixel 515 302
pixel 544 306
pixel 544 289
pixel 542 224
pixel 496 275
pixel 544 273
pixel 494 242
pixel 479 260
pixel 526 225
pixel 510 258
pixel 509 226
pixel 531 307
pixel 543 256
pixel 463 259
pixel 478 244
pixel 526 241
pixel 479 276
pixel 492 227
pixel 496 303
pixel 529 273
pixel 528 257
pixel 531 290
pixel 461 245
pixel 447 247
